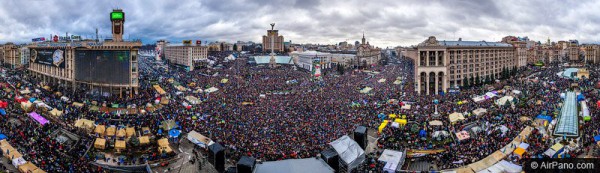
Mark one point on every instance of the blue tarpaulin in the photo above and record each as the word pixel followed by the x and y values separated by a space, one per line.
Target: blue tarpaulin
pixel 159 131
pixel 174 133
pixel 546 117
pixel 597 138
pixel 2 136
pixel 32 99
pixel 2 112
pixel 381 116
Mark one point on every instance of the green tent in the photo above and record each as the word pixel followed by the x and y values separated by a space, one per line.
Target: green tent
pixel 587 118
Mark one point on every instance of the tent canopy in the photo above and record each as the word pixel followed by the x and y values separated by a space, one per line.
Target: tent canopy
pixel 198 139
pixel 294 166
pixel 435 123
pixel 479 111
pixel 394 159
pixel 456 116
pixel 349 151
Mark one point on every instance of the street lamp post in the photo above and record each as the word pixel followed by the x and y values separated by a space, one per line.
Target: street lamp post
pixel 436 102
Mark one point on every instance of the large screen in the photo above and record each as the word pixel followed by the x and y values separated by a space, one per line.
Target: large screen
pixel 103 66
pixel 117 15
pixel 50 57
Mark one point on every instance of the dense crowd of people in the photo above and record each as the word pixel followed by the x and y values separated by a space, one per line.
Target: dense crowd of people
pixel 276 114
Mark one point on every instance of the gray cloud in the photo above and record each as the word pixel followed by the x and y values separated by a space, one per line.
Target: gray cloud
pixel 385 22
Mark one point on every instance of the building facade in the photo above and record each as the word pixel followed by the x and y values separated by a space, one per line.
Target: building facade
pixel 25 54
pixel 186 56
pixel 306 60
pixel 444 64
pixel 272 35
pixel 592 53
pixel 11 55
pixel 105 68
pixel 367 54
pixel 573 51
pixel 160 49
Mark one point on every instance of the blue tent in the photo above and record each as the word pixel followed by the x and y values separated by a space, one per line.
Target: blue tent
pixel 381 116
pixel 2 136
pixel 32 99
pixel 2 112
pixel 160 131
pixel 580 97
pixel 597 138
pixel 174 133
pixel 422 133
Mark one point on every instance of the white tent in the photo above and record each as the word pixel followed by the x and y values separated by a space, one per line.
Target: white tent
pixel 504 99
pixel 455 117
pixel 63 98
pixel 193 100
pixel 382 80
pixel 441 133
pixel 516 91
pixel 349 151
pixel 199 139
pixel 366 90
pixel 18 161
pixel 211 89
pixel 478 98
pixel 435 123
pixel 394 160
pixel 479 111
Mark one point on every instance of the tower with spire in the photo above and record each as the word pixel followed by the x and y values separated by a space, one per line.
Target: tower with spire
pixel 364 41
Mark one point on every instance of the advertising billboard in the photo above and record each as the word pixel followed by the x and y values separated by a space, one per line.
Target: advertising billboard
pixel 50 57
pixel 40 39
pixel 103 66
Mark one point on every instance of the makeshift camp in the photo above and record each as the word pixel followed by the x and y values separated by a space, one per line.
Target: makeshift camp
pixel 192 100
pixel 84 124
pixel 504 100
pixel 406 106
pixel 382 80
pixel 37 117
pixel 211 89
pixel 366 90
pixel 144 140
pixel 164 100
pixel 393 160
pixel 130 131
pixel 199 139
pixel 100 143
pixel 100 129
pixel 479 111
pixel 27 106
pixel 456 117
pixel 30 168
pixel 435 123
pixel 145 130
pixel 121 133
pixel 402 122
pixel 382 126
pixel 350 153
pixel 111 131
pixel 224 80
pixel 554 150
pixel 55 112
pixel 440 133
pixel 77 104
pixel 462 135
pixel 18 161
pixel 159 89
pixel 163 146
pixel 397 82
pixel 120 145
pixel 168 125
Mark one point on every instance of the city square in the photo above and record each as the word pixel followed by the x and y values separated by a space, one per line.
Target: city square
pixel 77 103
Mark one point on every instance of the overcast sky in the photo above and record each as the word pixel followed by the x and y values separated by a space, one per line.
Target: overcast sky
pixel 385 22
